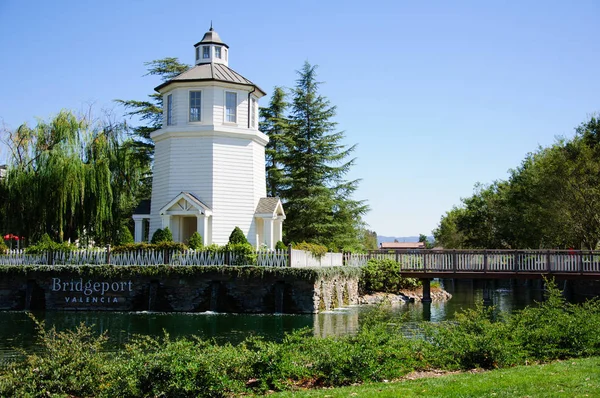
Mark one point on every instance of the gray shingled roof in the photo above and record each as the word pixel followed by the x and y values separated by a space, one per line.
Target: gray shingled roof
pixel 211 72
pixel 267 205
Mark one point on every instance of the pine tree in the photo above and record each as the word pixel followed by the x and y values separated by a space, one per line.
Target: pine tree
pixel 275 124
pixel 317 198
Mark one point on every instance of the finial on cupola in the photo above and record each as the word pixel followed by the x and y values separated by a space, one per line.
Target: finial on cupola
pixel 211 49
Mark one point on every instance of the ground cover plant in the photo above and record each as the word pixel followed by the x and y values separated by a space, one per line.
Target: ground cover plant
pixel 74 362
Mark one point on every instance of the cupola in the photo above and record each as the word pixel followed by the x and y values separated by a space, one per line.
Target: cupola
pixel 211 49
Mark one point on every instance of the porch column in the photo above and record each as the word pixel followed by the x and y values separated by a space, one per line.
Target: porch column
pixel 278 230
pixel 268 233
pixel 202 227
pixel 138 229
pixel 166 221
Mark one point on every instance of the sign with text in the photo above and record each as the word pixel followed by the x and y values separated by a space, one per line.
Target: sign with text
pixel 91 291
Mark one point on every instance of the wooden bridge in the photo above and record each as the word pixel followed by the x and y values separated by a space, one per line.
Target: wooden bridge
pixel 492 264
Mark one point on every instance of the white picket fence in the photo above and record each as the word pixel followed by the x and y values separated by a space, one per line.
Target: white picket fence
pixel 99 256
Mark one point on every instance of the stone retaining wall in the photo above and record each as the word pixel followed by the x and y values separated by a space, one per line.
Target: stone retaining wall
pixel 186 289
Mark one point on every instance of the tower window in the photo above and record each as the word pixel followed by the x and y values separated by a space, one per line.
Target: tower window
pixel 253 113
pixel 195 106
pixel 197 52
pixel 225 54
pixel 169 109
pixel 218 52
pixel 230 107
pixel 205 52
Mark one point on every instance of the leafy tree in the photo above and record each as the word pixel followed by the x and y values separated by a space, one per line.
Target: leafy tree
pixel 150 112
pixel 552 200
pixel 237 236
pixel 275 124
pixel 316 195
pixel 423 239
pixel 70 178
pixel 368 239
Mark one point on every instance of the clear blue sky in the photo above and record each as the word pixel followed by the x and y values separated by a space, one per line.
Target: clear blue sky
pixel 438 95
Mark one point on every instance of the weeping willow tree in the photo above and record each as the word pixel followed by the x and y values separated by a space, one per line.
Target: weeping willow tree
pixel 70 178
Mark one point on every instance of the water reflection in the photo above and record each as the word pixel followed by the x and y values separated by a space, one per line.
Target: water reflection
pixel 17 330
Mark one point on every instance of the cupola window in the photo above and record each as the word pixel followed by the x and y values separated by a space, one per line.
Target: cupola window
pixel 205 52
pixel 230 107
pixel 218 52
pixel 195 106
pixel 197 53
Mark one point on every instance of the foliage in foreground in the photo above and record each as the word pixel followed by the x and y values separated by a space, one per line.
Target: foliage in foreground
pixel 74 362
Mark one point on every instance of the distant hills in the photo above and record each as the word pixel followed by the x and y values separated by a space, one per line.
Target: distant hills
pixel 381 239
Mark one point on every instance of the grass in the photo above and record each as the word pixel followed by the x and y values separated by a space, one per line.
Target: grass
pixel 570 378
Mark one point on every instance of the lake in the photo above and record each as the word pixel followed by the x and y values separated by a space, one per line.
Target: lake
pixel 17 330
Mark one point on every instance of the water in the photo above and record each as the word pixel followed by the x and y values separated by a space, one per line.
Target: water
pixel 17 330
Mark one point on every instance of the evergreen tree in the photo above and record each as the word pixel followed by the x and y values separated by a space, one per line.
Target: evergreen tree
pixel 150 112
pixel 275 124
pixel 318 201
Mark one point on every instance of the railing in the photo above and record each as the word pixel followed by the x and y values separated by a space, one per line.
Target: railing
pixel 486 261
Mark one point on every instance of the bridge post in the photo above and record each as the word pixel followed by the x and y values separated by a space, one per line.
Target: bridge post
pixel 426 290
pixel 487 293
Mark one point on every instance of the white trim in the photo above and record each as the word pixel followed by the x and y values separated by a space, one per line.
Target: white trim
pixel 207 130
pixel 165 209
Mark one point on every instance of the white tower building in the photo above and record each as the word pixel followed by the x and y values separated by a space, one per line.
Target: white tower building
pixel 209 164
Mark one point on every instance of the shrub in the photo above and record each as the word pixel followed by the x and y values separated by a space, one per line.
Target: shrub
pixel 125 236
pixel 280 245
pixel 3 247
pixel 68 363
pixel 47 244
pixel 162 235
pixel 241 254
pixel 195 241
pixel 384 276
pixel 316 249
pixel 131 247
pixel 237 236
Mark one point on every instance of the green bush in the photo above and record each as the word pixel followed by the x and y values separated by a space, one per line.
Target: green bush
pixel 3 247
pixel 162 235
pixel 385 276
pixel 195 241
pixel 316 249
pixel 125 237
pixel 237 236
pixel 68 363
pixel 46 244
pixel 241 254
pixel 280 245
pixel 131 247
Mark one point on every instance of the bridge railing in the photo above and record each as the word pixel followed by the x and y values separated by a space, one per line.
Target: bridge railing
pixel 492 261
